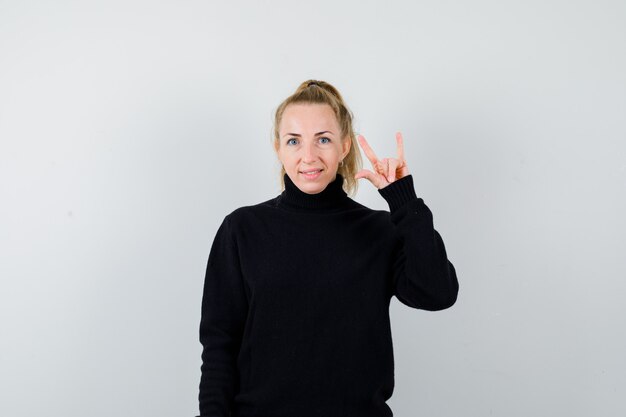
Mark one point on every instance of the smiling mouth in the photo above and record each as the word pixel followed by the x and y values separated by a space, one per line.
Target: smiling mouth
pixel 315 171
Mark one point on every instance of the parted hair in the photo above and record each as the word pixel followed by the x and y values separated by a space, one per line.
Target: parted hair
pixel 321 92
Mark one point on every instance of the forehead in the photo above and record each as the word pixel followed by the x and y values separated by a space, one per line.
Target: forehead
pixel 308 118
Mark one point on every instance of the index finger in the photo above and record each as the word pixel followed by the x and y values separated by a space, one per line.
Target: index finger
pixel 400 143
pixel 369 152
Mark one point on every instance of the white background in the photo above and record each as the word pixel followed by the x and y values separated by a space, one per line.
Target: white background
pixel 129 129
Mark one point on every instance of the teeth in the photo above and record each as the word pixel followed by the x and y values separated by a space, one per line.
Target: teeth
pixel 311 172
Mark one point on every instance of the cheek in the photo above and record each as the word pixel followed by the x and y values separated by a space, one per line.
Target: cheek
pixel 287 157
pixel 335 153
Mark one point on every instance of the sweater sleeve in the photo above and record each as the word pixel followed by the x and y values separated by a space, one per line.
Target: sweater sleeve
pixel 422 277
pixel 224 310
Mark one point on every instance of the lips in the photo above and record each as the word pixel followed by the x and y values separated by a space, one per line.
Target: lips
pixel 311 171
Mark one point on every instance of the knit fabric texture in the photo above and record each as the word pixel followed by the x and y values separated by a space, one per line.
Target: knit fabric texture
pixel 295 306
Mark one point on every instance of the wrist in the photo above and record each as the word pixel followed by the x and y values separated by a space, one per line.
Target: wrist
pixel 399 192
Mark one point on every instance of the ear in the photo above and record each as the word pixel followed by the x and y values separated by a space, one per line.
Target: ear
pixel 277 153
pixel 347 143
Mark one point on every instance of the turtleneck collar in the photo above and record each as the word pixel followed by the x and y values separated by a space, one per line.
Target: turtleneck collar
pixel 330 198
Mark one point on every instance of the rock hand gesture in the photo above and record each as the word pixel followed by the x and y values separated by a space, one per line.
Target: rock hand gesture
pixel 386 170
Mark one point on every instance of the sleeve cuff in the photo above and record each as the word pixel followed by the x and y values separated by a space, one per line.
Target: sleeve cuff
pixel 399 192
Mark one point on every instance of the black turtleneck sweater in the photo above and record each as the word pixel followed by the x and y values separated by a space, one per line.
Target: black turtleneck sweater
pixel 295 308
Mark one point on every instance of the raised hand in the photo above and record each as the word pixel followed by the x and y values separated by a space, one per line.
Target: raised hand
pixel 386 170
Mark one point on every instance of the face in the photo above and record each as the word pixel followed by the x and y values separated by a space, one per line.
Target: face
pixel 310 140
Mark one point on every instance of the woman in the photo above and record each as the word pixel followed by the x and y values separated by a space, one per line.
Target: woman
pixel 295 309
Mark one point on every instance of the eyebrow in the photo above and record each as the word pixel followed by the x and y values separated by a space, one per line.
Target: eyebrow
pixel 318 133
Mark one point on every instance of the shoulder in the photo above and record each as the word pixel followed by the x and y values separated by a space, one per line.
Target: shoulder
pixel 368 218
pixel 254 208
pixel 368 211
pixel 249 212
pixel 268 213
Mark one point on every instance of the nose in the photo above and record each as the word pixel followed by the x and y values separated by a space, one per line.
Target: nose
pixel 309 153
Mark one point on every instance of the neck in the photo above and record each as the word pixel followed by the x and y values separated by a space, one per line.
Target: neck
pixel 331 198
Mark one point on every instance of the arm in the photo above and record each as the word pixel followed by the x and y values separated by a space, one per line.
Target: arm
pixel 423 277
pixel 224 310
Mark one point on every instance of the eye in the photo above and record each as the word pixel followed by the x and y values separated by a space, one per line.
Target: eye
pixel 326 139
pixel 289 140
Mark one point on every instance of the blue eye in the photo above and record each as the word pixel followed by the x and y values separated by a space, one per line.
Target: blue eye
pixel 326 139
pixel 289 140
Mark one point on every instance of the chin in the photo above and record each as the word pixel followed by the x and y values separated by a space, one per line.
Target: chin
pixel 311 188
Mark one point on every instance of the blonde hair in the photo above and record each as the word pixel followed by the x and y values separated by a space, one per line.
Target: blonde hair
pixel 321 92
